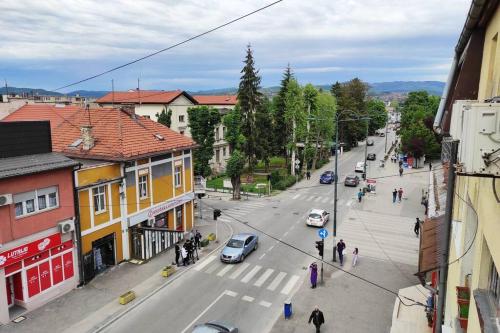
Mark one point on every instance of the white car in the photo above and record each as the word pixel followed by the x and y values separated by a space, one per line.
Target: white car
pixel 317 218
pixel 360 167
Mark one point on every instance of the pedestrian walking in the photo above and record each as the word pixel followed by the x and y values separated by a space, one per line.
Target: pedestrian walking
pixel 400 194
pixel 340 250
pixel 401 171
pixel 394 195
pixel 416 229
pixel 190 250
pixel 355 256
pixel 184 255
pixel 426 206
pixel 430 166
pixel 314 274
pixel 308 175
pixel 400 163
pixel 197 239
pixel 177 253
pixel 317 318
pixel 360 195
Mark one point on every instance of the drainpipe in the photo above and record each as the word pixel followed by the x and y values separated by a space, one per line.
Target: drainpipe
pixel 444 97
pixel 78 229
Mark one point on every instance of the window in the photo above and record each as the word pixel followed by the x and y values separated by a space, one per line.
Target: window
pixel 181 118
pixel 494 285
pixel 217 134
pixel 217 157
pixel 143 186
pixel 178 175
pixel 99 194
pixel 181 132
pixel 224 151
pixel 35 201
pixel 223 132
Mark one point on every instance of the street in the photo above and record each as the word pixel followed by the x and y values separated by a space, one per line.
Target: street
pixel 251 294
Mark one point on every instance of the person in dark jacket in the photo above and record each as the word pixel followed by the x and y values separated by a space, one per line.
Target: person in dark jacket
pixel 340 250
pixel 317 318
pixel 416 229
pixel 197 239
pixel 394 195
pixel 177 253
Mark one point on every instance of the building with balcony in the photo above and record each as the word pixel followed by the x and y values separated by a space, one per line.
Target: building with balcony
pixel 38 243
pixel 135 187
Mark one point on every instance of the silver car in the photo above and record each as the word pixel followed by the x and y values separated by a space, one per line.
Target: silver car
pixel 215 326
pixel 238 247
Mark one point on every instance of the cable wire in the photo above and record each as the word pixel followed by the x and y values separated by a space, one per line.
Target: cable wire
pixel 170 47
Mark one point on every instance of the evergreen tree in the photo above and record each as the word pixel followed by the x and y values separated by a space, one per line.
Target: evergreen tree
pixel 336 89
pixel 164 117
pixel 264 132
pixel 202 121
pixel 249 99
pixel 280 124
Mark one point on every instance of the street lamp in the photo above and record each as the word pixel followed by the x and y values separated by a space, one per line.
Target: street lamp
pixel 337 115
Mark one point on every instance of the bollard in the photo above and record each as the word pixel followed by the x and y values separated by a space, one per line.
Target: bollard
pixel 288 309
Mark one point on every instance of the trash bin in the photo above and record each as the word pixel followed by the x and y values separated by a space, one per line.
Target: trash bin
pixel 288 309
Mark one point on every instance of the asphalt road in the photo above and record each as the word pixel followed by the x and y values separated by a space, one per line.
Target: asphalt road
pixel 250 295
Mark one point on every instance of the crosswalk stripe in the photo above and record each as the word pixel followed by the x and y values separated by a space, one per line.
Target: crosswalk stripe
pixel 240 270
pixel 288 287
pixel 265 304
pixel 264 277
pixel 225 270
pixel 276 281
pixel 310 198
pixel 204 263
pixel 251 274
pixel 317 199
pixel 248 298
pixel 212 269
pixel 295 196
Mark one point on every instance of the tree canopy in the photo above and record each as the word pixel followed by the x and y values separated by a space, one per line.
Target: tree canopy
pixel 164 117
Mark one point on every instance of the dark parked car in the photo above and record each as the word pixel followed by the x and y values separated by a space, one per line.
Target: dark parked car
pixel 327 177
pixel 215 326
pixel 371 157
pixel 238 247
pixel 351 180
pixel 370 142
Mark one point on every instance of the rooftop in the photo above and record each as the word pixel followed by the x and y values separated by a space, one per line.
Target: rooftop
pixel 35 112
pixel 143 97
pixel 29 164
pixel 216 99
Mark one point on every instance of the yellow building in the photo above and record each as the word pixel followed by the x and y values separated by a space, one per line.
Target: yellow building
pixel 135 185
pixel 468 114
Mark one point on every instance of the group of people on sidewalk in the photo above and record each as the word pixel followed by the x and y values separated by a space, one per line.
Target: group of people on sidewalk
pixel 187 251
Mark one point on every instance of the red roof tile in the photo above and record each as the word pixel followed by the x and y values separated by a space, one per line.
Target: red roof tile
pixel 55 114
pixel 119 136
pixel 216 99
pixel 143 97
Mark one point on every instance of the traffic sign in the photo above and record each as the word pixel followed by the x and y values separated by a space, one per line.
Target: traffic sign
pixel 297 162
pixel 323 233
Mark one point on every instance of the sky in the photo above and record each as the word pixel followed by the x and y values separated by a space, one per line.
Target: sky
pixel 48 44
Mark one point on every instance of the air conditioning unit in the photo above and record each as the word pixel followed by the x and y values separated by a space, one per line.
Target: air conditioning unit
pixel 5 199
pixel 66 226
pixel 479 136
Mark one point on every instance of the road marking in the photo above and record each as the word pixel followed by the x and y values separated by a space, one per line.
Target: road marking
pixel 272 247
pixel 264 277
pixel 231 293
pixel 296 196
pixel 317 199
pixel 286 233
pixel 276 281
pixel 212 269
pixel 262 256
pixel 247 298
pixel 288 287
pixel 264 303
pixel 310 198
pixel 240 270
pixel 207 261
pixel 251 274
pixel 225 292
pixel 225 270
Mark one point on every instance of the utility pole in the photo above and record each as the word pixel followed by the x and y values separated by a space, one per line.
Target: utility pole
pixel 293 149
pixel 366 146
pixel 386 123
pixel 334 233
pixel 443 271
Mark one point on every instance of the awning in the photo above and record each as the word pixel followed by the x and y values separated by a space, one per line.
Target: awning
pixel 431 244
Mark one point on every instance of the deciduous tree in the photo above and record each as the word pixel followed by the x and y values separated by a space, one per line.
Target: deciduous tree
pixel 164 117
pixel 235 139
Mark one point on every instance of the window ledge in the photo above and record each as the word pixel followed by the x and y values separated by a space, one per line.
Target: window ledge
pixel 36 212
pixel 486 311
pixel 100 212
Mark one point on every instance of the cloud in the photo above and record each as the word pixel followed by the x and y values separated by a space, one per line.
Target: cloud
pixel 320 36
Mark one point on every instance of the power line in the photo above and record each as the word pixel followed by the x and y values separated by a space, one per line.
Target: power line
pixel 170 47
pixel 325 262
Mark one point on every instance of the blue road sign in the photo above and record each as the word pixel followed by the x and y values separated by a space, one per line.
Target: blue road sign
pixel 323 233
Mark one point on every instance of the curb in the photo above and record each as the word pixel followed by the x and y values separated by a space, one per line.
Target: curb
pixel 114 318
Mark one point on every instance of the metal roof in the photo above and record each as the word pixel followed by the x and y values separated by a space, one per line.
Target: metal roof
pixel 29 164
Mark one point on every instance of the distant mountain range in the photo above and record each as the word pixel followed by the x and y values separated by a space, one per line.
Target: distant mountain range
pixel 376 89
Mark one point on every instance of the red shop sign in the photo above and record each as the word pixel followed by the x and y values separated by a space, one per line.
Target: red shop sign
pixel 27 250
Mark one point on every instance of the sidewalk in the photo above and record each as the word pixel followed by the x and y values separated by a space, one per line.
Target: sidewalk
pixel 383 232
pixel 84 309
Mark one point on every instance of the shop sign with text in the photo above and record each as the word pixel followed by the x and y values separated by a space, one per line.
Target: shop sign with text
pixel 160 208
pixel 19 253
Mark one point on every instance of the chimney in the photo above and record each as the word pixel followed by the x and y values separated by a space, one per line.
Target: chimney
pixel 87 138
pixel 129 109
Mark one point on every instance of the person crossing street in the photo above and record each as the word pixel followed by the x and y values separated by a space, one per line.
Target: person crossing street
pixel 317 318
pixel 340 250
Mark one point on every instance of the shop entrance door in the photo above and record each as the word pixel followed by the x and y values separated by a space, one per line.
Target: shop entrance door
pixel 104 252
pixel 10 291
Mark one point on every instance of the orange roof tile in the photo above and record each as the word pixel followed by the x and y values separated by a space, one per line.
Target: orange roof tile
pixel 143 97
pixel 118 135
pixel 55 114
pixel 216 99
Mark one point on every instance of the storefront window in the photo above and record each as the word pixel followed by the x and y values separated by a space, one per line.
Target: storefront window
pixel 179 220
pixel 161 221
